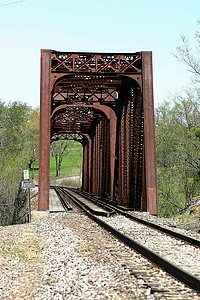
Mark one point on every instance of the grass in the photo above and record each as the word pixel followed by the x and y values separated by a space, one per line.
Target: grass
pixel 71 164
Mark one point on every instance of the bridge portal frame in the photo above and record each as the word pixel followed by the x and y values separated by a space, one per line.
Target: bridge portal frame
pixel 144 77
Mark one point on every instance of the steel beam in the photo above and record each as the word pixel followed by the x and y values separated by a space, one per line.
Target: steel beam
pixel 149 134
pixel 89 161
pixel 113 128
pixel 84 168
pixel 44 147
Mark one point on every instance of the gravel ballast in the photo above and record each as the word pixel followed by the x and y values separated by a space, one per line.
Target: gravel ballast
pixel 67 256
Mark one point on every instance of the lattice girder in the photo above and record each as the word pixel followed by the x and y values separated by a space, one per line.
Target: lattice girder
pixel 77 118
pixel 95 63
pixel 82 89
pixel 69 136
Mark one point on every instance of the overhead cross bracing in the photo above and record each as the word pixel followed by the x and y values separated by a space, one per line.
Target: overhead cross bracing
pixel 105 101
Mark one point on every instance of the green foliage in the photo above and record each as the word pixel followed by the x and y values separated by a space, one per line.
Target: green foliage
pixel 32 133
pixel 16 136
pixel 178 159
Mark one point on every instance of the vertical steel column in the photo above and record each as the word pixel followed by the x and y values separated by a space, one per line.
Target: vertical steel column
pixel 144 196
pixel 89 161
pixel 93 165
pixel 113 128
pixel 140 118
pixel 123 179
pixel 96 162
pixel 110 144
pixel 149 134
pixel 128 154
pixel 138 151
pixel 85 167
pixel 45 114
pixel 132 151
pixel 120 200
pixel 109 166
pixel 105 175
pixel 100 156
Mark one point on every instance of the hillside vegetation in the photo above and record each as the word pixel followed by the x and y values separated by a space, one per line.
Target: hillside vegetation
pixel 178 153
pixel 19 132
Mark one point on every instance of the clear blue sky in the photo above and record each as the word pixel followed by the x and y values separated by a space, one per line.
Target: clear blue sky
pixel 89 25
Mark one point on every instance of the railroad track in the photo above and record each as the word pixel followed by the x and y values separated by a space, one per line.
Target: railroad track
pixel 162 229
pixel 62 196
pixel 133 232
pixel 99 209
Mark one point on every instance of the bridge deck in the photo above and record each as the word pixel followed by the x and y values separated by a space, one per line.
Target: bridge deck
pixel 54 202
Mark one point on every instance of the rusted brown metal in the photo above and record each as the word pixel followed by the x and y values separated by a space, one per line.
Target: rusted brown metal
pixel 44 147
pixel 149 134
pixel 95 62
pixel 107 100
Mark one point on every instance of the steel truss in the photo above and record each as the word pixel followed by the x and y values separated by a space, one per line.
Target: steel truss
pixel 104 101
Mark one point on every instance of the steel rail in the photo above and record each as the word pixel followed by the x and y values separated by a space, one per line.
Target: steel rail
pixel 65 204
pixel 187 278
pixel 109 211
pixel 173 233
pixel 177 272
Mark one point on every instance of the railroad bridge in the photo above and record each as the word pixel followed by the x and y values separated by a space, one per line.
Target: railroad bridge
pixel 105 101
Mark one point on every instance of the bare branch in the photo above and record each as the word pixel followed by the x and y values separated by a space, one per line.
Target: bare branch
pixel 185 55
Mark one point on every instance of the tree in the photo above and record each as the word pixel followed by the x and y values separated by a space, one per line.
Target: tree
pixel 178 145
pixel 13 118
pixel 178 139
pixel 186 55
pixel 15 145
pixel 190 116
pixel 32 132
pixel 58 150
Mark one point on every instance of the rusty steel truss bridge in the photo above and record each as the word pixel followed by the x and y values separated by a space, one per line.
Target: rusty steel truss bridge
pixel 104 101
